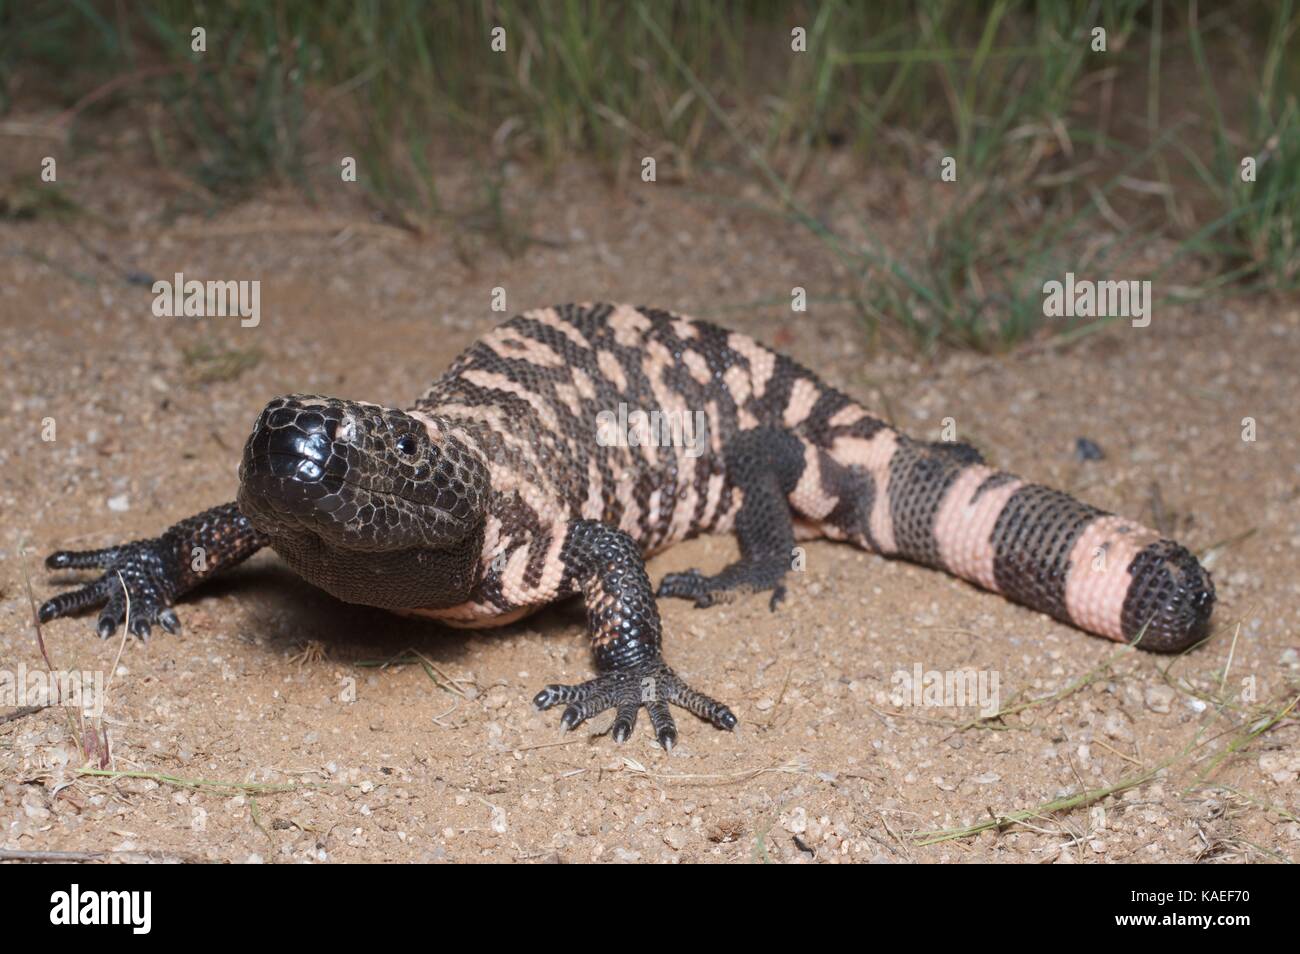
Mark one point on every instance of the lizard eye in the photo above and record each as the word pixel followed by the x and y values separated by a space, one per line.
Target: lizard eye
pixel 407 445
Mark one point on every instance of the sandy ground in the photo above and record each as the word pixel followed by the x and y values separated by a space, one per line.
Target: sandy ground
pixel 449 761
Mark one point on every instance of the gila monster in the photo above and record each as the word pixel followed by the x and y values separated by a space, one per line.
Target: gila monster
pixel 491 497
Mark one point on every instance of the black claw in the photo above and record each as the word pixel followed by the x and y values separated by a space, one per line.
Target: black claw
pixel 571 718
pixel 667 738
pixel 105 627
pixel 620 731
pixel 548 697
pixel 778 595
pixel 170 621
pixel 725 719
pixel 47 611
pixel 140 627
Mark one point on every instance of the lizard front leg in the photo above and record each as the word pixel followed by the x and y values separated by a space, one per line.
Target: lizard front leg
pixel 604 564
pixel 154 572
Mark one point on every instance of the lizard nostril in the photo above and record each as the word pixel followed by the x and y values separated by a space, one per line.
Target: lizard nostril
pixel 344 431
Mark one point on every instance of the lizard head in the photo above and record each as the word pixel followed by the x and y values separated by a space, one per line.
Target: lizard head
pixel 359 478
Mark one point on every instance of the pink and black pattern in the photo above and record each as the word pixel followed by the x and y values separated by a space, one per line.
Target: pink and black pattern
pixel 493 496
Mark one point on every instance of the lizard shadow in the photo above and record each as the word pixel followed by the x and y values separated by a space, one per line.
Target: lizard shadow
pixel 285 612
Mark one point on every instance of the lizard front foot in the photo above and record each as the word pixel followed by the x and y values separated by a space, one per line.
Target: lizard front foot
pixel 649 684
pixel 135 570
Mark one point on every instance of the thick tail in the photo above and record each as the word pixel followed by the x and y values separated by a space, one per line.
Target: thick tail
pixel 940 505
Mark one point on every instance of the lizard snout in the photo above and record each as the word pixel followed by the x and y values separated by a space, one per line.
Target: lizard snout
pixel 298 444
pixel 300 454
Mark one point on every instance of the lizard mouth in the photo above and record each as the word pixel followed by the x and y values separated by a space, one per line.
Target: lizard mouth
pixel 294 498
pixel 294 475
pixel 287 496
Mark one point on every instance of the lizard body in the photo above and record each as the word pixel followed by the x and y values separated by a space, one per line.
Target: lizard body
pixel 508 485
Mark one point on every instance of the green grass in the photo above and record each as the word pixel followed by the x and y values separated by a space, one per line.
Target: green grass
pixel 1261 219
pixel 1046 155
pixel 210 362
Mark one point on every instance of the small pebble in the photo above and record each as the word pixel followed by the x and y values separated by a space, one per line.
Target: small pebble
pixel 1117 727
pixel 1085 449
pixel 1159 698
pixel 675 838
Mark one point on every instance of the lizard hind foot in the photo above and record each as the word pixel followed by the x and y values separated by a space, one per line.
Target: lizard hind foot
pixel 735 581
pixel 766 464
pixel 650 685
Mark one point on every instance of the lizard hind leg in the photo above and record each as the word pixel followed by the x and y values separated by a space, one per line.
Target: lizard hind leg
pixel 765 464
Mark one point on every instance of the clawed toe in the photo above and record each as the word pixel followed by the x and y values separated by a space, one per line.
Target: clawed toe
pixel 132 590
pixel 693 585
pixel 650 685
pixel 740 578
pixel 689 585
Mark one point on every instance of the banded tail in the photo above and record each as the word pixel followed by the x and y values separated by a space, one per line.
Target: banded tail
pixel 941 506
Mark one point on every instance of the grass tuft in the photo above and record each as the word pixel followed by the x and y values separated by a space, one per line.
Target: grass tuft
pixel 1122 162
